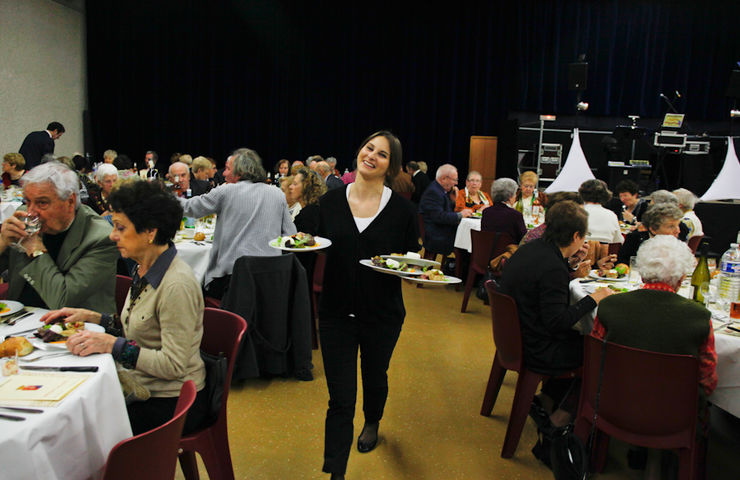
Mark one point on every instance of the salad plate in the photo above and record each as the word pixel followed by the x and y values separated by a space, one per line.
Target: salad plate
pixel 421 262
pixel 279 243
pixel 9 307
pixel 392 271
pixel 449 280
pixel 595 274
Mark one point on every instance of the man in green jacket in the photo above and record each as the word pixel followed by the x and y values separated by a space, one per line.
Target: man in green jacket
pixel 70 262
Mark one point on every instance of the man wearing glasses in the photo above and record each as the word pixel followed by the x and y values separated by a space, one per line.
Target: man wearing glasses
pixel 437 207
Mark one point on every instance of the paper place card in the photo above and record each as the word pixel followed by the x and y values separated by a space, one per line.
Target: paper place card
pixel 38 388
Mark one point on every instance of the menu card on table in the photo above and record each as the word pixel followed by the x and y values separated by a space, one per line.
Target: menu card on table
pixel 38 389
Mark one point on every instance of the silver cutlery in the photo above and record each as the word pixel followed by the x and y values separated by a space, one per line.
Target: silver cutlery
pixel 51 355
pixel 12 321
pixel 11 417
pixel 22 410
pixel 59 369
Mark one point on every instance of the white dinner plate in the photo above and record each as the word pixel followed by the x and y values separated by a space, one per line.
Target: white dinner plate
pixel 595 274
pixel 14 307
pixel 321 243
pixel 449 280
pixel 41 345
pixel 389 271
pixel 422 262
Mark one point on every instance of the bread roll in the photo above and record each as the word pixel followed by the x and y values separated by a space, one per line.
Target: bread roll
pixel 15 344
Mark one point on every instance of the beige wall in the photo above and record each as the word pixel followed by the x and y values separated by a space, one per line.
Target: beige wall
pixel 42 72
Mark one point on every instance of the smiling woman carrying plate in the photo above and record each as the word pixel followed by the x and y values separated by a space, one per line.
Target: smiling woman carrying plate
pixel 361 308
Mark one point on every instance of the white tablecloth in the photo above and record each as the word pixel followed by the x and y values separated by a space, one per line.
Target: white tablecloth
pixel 462 236
pixel 727 394
pixel 8 208
pixel 72 440
pixel 195 254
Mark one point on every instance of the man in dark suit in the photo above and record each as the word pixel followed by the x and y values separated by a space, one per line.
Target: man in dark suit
pixel 326 173
pixel 420 180
pixel 38 144
pixel 437 207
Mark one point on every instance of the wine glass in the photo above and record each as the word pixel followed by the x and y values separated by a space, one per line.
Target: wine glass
pixel 32 226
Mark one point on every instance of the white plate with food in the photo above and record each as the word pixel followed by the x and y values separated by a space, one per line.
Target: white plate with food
pixel 300 242
pixel 60 344
pixel 606 278
pixel 391 267
pixel 9 307
pixel 435 277
pixel 411 260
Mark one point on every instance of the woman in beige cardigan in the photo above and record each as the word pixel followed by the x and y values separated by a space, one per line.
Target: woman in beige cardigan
pixel 157 338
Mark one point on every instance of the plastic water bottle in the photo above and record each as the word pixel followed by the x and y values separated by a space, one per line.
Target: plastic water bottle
pixel 729 277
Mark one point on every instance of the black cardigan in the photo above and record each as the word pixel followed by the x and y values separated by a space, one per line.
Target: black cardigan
pixel 537 277
pixel 351 288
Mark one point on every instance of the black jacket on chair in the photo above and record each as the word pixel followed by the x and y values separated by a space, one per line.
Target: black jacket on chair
pixel 271 294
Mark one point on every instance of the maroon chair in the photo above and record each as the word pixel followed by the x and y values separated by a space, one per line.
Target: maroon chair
pixel 507 336
pixel 123 284
pixel 316 289
pixel 3 290
pixel 486 245
pixel 694 243
pixel 212 302
pixel 222 333
pixel 647 398
pixel 151 455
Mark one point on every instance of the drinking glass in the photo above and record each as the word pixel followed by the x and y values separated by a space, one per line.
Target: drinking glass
pixel 634 276
pixel 32 226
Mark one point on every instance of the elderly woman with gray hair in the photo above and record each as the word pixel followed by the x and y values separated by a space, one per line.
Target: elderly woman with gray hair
pixel 501 216
pixel 658 219
pixel 656 318
pixel 686 202
pixel 250 214
pixel 105 177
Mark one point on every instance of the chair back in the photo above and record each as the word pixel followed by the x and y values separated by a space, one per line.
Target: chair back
pixel 222 333
pixel 694 242
pixel 647 398
pixel 507 333
pixel 123 284
pixel 153 454
pixel 487 245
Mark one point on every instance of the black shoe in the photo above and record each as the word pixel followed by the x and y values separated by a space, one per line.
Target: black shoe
pixel 304 375
pixel 368 438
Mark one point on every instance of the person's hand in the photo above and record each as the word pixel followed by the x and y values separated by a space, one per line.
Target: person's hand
pixel 33 244
pixel 87 343
pixel 453 191
pixel 640 227
pixel 606 263
pixel 584 268
pixel 72 315
pixel 580 255
pixel 13 228
pixel 466 212
pixel 628 216
pixel 601 293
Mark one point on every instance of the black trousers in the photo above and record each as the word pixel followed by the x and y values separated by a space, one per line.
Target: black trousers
pixel 156 411
pixel 340 340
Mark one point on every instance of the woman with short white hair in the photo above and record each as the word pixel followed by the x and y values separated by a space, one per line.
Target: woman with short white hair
pixel 686 202
pixel 501 216
pixel 105 177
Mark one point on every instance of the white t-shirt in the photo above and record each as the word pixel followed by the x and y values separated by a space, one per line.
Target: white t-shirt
pixel 603 224
pixel 363 223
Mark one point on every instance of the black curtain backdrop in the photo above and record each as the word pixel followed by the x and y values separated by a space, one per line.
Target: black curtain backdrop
pixel 293 79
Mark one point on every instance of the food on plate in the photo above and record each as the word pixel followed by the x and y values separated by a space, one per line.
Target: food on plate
pixel 392 264
pixel 13 345
pixel 58 332
pixel 299 240
pixel 622 269
pixel 199 237
pixel 618 289
pixel 4 308
pixel 433 274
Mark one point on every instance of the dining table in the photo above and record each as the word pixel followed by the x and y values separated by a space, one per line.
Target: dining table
pixel 726 342
pixel 72 439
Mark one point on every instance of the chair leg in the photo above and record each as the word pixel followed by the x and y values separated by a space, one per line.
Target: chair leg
pixel 495 379
pixel 526 385
pixel 189 465
pixel 468 289
pixel 687 464
pixel 217 456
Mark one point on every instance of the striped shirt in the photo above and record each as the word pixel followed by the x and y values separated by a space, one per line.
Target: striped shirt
pixel 249 216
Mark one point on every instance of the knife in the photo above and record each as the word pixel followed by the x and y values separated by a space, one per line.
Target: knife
pixel 11 417
pixel 59 369
pixel 22 410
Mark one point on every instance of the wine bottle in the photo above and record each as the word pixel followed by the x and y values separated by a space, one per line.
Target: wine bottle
pixel 700 276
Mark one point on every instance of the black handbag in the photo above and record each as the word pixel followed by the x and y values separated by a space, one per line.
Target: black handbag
pixel 216 368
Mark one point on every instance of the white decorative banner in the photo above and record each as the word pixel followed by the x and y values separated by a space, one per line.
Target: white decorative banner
pixel 727 184
pixel 574 172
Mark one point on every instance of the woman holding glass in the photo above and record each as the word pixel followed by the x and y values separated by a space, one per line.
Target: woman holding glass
pixel 361 308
